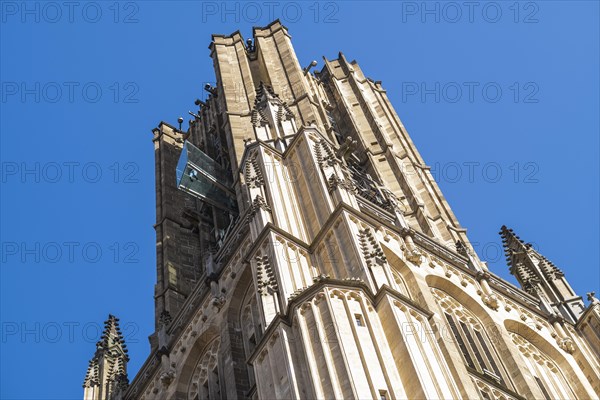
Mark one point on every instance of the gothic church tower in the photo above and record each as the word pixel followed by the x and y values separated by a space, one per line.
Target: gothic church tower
pixel 304 251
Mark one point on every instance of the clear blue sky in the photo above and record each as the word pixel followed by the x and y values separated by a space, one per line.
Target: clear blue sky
pixel 502 88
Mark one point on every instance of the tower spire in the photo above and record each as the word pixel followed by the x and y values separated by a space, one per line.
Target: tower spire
pixel 540 277
pixel 106 376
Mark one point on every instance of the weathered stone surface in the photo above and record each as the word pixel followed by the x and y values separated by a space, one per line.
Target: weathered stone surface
pixel 340 277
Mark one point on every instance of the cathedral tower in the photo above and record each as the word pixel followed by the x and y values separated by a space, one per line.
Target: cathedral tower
pixel 305 251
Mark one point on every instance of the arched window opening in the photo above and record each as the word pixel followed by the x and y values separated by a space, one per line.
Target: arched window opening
pixel 474 344
pixel 206 384
pixel 400 283
pixel 546 373
pixel 251 327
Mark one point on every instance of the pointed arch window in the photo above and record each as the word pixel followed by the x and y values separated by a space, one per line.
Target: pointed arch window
pixel 476 348
pixel 251 327
pixel 400 283
pixel 546 373
pixel 206 384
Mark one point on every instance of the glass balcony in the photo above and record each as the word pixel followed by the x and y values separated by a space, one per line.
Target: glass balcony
pixel 202 177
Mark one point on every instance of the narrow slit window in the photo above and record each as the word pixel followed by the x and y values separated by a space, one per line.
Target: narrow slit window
pixel 488 354
pixel 474 348
pixel 359 320
pixel 461 342
pixel 251 343
pixel 217 383
pixel 543 388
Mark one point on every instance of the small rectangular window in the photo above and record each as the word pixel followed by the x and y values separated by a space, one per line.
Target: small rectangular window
pixel 359 320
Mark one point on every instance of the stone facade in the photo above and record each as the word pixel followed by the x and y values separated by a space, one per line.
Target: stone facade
pixel 344 273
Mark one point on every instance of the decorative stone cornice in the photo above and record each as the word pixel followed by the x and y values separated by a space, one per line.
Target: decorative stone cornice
pixel 315 289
